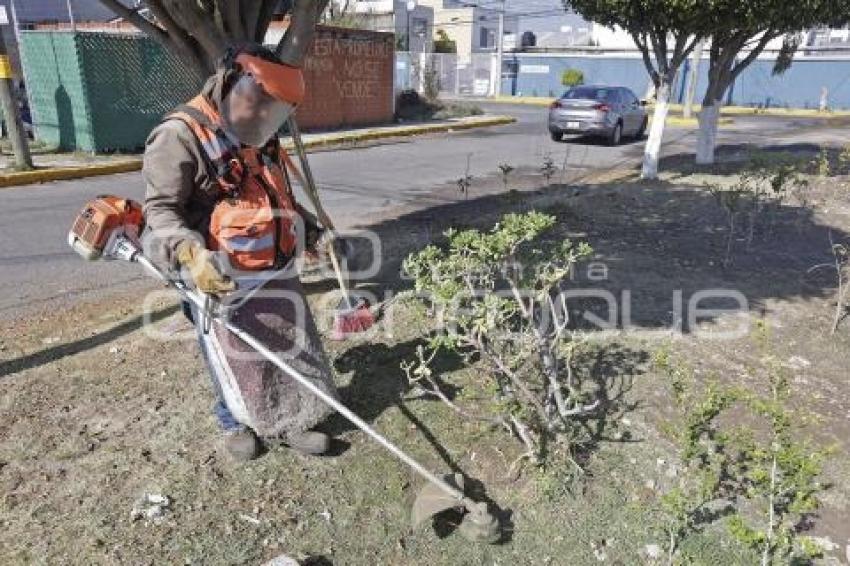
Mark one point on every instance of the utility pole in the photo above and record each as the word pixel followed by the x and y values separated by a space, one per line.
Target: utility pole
pixel 71 15
pixel 500 50
pixel 9 102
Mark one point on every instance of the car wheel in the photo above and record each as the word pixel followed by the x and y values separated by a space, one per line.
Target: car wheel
pixel 642 130
pixel 616 135
pixel 557 136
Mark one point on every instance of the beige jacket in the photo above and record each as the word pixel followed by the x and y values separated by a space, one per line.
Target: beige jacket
pixel 179 195
pixel 180 191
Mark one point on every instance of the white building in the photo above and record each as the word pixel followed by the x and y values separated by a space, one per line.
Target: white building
pixel 473 28
pixel 412 22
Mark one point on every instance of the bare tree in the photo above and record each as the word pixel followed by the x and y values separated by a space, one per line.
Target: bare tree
pixel 199 31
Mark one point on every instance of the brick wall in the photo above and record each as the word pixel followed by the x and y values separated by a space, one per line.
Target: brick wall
pixel 349 76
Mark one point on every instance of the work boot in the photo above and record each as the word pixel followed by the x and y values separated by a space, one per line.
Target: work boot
pixel 308 442
pixel 241 444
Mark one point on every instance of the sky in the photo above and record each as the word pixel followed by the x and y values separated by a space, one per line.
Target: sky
pixel 545 15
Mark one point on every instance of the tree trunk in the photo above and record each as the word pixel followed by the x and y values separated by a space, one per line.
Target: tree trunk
pixel 656 131
pixel 707 135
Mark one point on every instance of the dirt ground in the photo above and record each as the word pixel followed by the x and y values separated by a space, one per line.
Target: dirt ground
pixel 101 406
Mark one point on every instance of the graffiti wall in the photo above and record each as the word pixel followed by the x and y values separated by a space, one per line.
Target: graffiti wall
pixel 349 76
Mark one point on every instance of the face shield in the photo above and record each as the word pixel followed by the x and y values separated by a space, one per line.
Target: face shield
pixel 261 100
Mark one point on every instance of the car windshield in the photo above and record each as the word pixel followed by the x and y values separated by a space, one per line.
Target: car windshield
pixel 587 92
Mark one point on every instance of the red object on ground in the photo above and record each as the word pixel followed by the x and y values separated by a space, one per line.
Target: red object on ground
pixel 352 318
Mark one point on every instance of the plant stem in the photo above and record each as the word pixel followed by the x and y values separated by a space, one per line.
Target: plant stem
pixel 768 543
pixel 671 550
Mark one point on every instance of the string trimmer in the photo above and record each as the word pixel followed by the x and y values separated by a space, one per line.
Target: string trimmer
pixel 109 228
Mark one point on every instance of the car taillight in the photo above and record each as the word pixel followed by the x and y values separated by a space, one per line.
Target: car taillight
pixel 556 104
pixel 602 107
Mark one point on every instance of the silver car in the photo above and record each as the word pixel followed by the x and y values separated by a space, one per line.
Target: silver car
pixel 611 112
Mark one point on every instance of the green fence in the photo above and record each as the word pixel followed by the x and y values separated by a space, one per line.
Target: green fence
pixel 95 91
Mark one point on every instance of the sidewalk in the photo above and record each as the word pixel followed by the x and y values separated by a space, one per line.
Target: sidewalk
pixel 64 166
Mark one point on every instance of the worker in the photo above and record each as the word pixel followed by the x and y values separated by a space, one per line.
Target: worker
pixel 221 215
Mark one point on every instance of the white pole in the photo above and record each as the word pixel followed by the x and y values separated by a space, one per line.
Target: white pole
pixel 499 50
pixel 15 22
pixel 71 15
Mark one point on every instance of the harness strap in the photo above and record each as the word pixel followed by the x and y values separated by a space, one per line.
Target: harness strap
pixel 222 161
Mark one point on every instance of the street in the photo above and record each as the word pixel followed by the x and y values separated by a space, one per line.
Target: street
pixel 40 272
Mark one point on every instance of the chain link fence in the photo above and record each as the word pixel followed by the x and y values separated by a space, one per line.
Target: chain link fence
pixel 447 73
pixel 100 91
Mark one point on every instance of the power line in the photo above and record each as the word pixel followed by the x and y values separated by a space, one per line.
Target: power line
pixel 529 16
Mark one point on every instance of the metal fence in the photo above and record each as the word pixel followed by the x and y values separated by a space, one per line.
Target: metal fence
pixel 96 91
pixel 449 73
pixel 539 74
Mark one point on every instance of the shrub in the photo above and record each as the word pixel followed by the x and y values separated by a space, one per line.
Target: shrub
pixel 572 77
pixel 758 195
pixel 743 456
pixel 442 44
pixel 496 297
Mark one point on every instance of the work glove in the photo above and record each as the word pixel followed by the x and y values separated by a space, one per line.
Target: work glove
pixel 312 229
pixel 205 275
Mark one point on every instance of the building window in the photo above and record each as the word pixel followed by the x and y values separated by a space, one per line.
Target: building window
pixel 419 27
pixel 487 38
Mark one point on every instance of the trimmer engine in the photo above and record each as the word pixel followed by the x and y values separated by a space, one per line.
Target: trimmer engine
pixel 101 222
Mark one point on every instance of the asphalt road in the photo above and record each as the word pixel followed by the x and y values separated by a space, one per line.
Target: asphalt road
pixel 38 271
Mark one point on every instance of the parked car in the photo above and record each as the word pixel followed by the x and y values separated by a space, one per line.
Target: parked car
pixel 604 111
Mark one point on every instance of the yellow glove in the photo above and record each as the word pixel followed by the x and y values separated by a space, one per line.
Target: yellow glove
pixel 206 276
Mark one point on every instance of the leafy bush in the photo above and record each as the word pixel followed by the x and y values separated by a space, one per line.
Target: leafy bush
pixel 456 110
pixel 572 77
pixel 758 195
pixel 496 297
pixel 442 44
pixel 743 457
pixel 410 105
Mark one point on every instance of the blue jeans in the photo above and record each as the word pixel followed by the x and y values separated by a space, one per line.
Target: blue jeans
pixel 225 418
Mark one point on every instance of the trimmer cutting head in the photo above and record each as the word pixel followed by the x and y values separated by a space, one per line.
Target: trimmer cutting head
pixel 478 524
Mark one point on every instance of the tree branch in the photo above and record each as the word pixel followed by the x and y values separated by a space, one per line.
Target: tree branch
pixel 191 17
pixel 169 35
pixel 228 10
pixel 144 25
pixel 302 26
pixel 647 61
pixel 250 13
pixel 265 17
pixel 186 46
pixel 753 54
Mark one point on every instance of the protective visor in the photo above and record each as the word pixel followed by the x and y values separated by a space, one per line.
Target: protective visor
pixel 261 101
pixel 279 80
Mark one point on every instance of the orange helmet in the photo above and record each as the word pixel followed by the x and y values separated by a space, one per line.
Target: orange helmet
pixel 282 81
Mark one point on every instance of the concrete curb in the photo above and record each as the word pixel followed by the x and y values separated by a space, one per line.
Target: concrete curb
pixel 726 110
pixel 679 122
pixel 14 179
pixel 65 173
pixel 319 140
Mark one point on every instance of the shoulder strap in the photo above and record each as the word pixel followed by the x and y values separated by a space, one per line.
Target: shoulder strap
pixel 217 159
pixel 195 115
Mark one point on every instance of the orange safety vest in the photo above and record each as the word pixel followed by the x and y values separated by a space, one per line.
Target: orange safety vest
pixel 254 220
